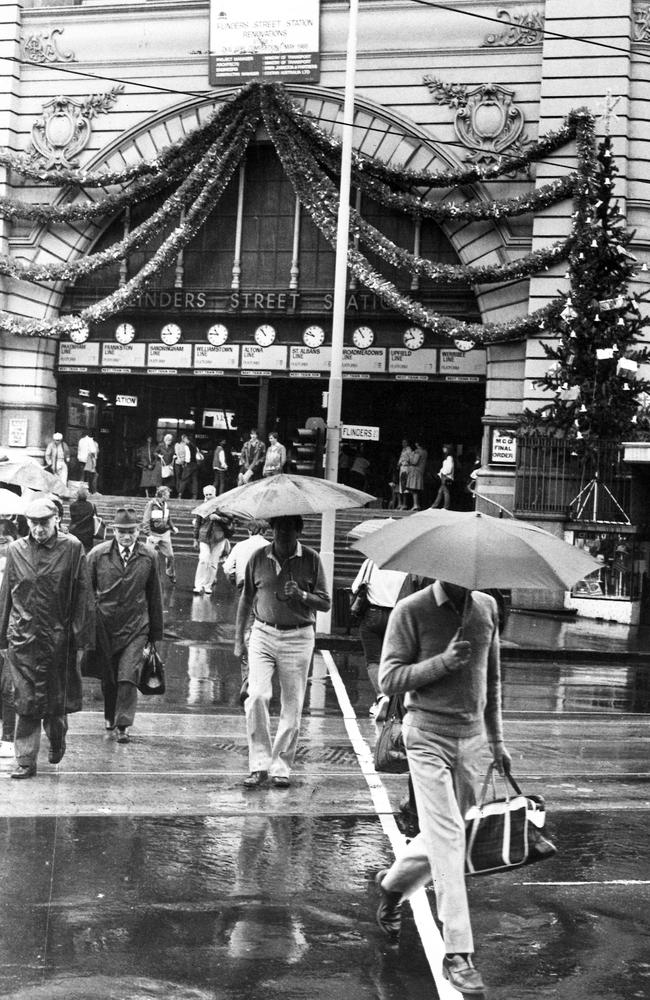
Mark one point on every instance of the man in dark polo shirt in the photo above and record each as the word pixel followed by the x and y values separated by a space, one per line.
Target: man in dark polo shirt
pixel 284 585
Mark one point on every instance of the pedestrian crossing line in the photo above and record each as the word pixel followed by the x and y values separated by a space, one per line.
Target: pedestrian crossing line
pixel 430 936
pixel 614 881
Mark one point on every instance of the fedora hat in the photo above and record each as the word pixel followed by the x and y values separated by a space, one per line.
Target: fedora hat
pixel 126 517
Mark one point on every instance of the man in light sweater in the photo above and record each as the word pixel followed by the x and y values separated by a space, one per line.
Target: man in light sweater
pixel 442 650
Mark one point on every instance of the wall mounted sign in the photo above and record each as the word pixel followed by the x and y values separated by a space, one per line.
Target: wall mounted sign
pixel 209 358
pixel 273 358
pixel 78 354
pixel 404 362
pixel 129 401
pixel 371 362
pixel 169 356
pixel 358 432
pixel 273 40
pixel 503 447
pixel 310 359
pixel 17 433
pixel 123 355
pixel 454 362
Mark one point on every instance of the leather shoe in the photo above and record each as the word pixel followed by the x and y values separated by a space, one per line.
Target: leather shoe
pixel 256 779
pixel 24 772
pixel 56 753
pixel 389 911
pixel 460 971
pixel 279 781
pixel 123 736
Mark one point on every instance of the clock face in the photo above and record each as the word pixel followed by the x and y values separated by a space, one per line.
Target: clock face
pixel 170 334
pixel 413 338
pixel 363 337
pixel 124 333
pixel 464 344
pixel 218 334
pixel 313 336
pixel 264 335
pixel 79 334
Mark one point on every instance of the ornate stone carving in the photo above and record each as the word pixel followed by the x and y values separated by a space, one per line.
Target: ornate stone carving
pixel 487 121
pixel 44 48
pixel 522 29
pixel 642 24
pixel 65 127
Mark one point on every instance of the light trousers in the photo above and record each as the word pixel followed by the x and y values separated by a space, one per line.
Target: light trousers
pixel 287 654
pixel 209 559
pixel 28 736
pixel 445 772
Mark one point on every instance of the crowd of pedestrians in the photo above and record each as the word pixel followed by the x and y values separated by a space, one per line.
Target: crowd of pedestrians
pixel 70 608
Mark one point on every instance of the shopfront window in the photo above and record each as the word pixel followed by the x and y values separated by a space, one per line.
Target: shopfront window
pixel 623 563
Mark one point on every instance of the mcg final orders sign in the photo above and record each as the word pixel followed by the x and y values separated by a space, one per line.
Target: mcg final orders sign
pixel 274 40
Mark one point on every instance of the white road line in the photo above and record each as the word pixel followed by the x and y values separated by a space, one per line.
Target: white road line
pixel 614 881
pixel 430 937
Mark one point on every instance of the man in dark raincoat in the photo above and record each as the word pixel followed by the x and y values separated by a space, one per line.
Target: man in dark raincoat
pixel 45 618
pixel 124 577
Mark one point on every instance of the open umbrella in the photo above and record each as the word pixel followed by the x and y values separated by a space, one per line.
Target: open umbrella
pixel 476 551
pixel 284 494
pixel 29 474
pixel 364 528
pixel 10 503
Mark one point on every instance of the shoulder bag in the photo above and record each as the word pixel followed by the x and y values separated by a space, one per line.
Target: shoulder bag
pixel 505 833
pixel 152 673
pixel 390 754
pixel 99 527
pixel 359 602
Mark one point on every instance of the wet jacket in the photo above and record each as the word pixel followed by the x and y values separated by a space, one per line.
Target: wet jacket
pixel 157 518
pixel 128 607
pixel 46 614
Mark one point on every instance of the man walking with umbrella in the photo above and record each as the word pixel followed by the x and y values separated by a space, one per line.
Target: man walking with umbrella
pixel 284 586
pixel 442 651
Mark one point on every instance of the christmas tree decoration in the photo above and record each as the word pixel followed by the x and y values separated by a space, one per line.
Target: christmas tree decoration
pixel 596 352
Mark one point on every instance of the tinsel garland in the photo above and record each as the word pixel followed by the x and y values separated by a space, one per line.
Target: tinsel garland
pixel 144 187
pixel 126 295
pixel 445 326
pixel 231 145
pixel 297 157
pixel 579 124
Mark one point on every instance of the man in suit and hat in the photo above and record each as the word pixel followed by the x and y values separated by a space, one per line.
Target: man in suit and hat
pixel 124 578
pixel 45 619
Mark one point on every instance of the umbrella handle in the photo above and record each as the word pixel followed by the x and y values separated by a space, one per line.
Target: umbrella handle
pixel 463 616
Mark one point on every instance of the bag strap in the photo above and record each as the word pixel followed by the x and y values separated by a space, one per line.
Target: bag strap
pixel 507 778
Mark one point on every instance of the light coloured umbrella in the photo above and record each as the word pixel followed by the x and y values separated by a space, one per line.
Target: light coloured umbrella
pixel 364 528
pixel 476 551
pixel 277 496
pixel 29 474
pixel 10 503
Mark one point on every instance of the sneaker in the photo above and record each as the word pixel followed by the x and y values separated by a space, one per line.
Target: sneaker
pixel 389 911
pixel 460 971
pixel 6 749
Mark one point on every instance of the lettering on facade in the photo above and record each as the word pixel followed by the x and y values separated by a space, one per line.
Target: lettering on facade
pixel 504 447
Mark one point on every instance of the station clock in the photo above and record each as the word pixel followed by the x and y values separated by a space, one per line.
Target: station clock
pixel 264 335
pixel 363 338
pixel 313 336
pixel 79 334
pixel 170 334
pixel 464 344
pixel 413 338
pixel 124 333
pixel 218 334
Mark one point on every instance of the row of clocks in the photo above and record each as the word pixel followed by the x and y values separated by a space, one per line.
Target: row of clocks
pixel 313 336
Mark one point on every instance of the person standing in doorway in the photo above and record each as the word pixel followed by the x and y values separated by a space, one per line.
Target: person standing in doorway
pixel 284 587
pixel 220 467
pixel 276 456
pixel 159 527
pixel 211 538
pixel 88 457
pixel 251 459
pixel 446 477
pixel 149 464
pixel 46 618
pixel 166 454
pixel 57 457
pixel 442 651
pixel 129 613
pixel 415 477
pixel 403 468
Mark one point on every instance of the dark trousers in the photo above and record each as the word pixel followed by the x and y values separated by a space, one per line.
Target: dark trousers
pixel 220 484
pixel 28 736
pixel 372 630
pixel 120 702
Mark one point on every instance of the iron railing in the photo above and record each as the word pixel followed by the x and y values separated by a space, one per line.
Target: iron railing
pixel 553 479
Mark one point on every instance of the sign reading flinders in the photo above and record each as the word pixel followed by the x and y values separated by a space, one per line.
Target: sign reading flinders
pixel 169 208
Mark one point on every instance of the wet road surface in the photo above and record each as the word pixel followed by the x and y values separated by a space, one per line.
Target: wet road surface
pixel 146 871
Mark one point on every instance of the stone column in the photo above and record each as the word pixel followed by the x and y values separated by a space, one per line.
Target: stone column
pixel 27 383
